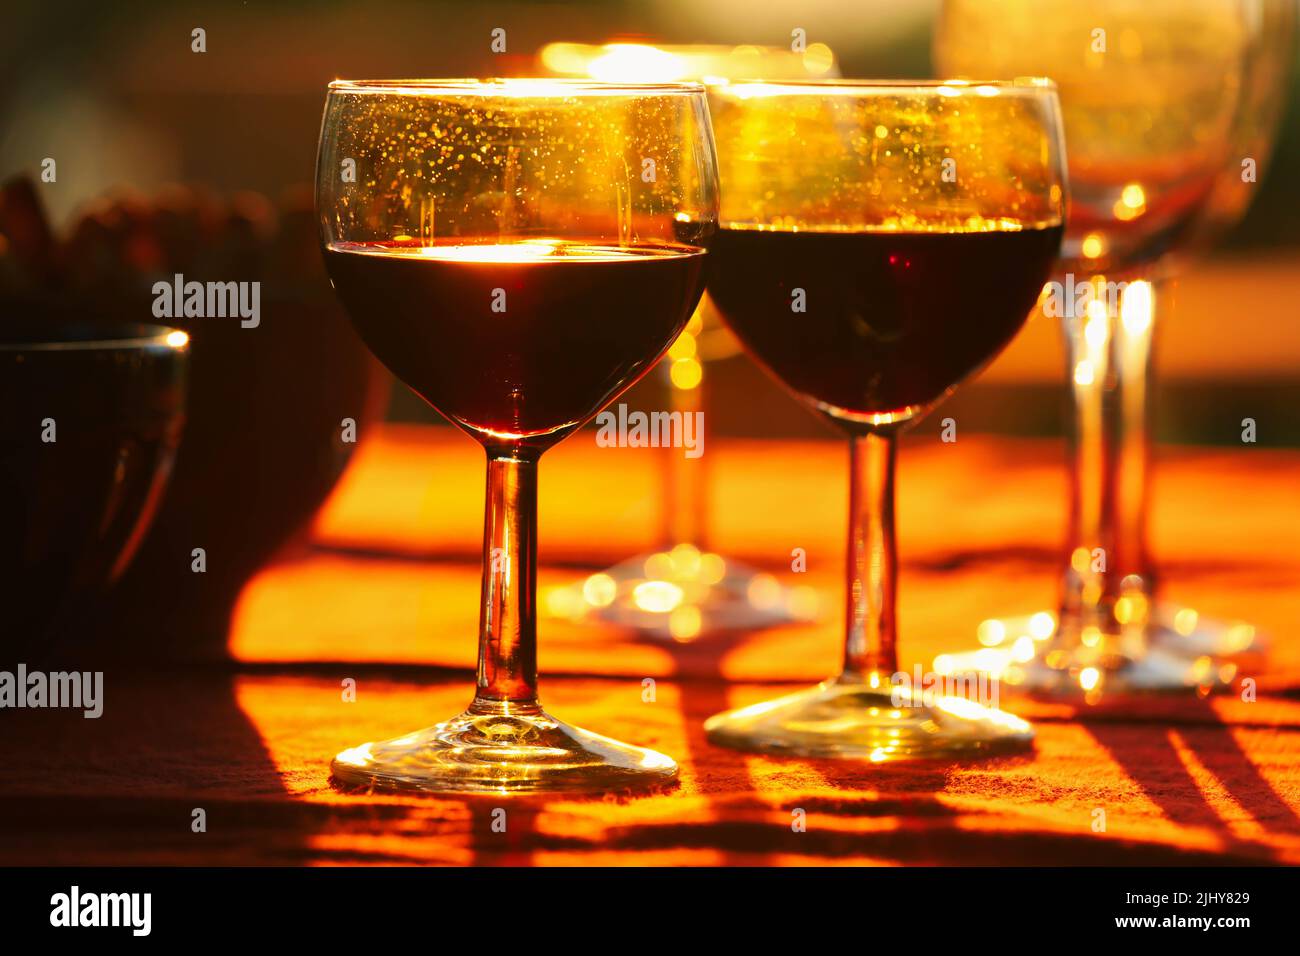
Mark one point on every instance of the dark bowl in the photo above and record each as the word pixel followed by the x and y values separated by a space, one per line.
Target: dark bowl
pixel 74 509
pixel 264 446
pixel 264 442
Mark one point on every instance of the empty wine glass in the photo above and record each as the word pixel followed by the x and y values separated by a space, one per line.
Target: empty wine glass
pixel 1162 101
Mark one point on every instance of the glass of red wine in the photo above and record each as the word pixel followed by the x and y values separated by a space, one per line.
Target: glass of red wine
pixel 880 242
pixel 519 252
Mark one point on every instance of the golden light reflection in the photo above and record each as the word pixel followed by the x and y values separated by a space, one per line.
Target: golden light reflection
pixel 970 710
pixel 1185 621
pixel 1131 204
pixel 686 373
pixel 635 63
pixel 666 591
pixel 1136 307
pixel 685 623
pixel 1023 650
pixel 599 590
pixel 177 339
pixel 684 347
pixel 1131 608
pixel 713 568
pixel 1042 625
pixel 818 59
pixel 631 62
pixel 562 602
pixel 657 597
pixel 355 756
pixel 1094 245
pixel 1097 326
pixel 991 632
pixel 1240 636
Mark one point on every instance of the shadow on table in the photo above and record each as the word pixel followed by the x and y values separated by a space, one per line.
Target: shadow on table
pixel 127 786
pixel 1172 764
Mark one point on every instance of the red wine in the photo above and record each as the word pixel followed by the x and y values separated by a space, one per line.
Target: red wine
pixel 893 320
pixel 518 342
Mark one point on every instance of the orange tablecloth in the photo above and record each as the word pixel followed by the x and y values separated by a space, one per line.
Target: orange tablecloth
pixel 390 600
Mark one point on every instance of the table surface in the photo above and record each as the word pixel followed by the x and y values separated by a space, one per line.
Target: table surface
pixel 387 595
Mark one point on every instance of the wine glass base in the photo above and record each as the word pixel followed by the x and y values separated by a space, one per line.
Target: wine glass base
pixel 685 594
pixel 1183 651
pixel 1088 678
pixel 855 721
pixel 1177 629
pixel 496 754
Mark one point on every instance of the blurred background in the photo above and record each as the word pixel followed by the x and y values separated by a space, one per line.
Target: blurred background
pixel 118 97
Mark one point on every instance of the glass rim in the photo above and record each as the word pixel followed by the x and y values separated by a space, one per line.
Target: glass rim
pixel 519 86
pixel 956 85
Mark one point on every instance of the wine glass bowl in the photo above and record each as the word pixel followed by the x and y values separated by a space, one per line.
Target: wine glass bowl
pixel 1148 95
pixel 507 224
pixel 518 252
pixel 895 207
pixel 879 243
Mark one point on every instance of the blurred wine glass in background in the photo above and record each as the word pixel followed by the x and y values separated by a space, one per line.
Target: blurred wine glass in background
pixel 684 589
pixel 1164 103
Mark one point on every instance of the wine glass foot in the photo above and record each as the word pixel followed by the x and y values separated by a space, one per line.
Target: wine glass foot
pixel 684 594
pixel 502 753
pixel 852 720
pixel 1180 651
pixel 1176 628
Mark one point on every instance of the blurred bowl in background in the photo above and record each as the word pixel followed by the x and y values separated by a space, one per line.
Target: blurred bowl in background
pixel 264 447
pixel 265 439
pixel 90 420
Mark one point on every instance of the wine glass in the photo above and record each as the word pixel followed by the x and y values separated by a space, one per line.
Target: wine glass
pixel 880 242
pixel 518 252
pixel 686 589
pixel 1161 101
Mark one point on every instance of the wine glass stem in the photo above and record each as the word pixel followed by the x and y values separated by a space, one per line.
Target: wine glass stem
pixel 507 649
pixel 872 568
pixel 1110 372
pixel 685 479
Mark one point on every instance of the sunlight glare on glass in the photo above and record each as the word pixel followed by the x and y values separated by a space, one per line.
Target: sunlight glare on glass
pixel 657 597
pixel 636 63
pixel 599 590
pixel 1136 307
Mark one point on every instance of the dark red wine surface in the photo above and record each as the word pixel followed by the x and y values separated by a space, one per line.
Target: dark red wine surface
pixel 519 341
pixel 893 320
